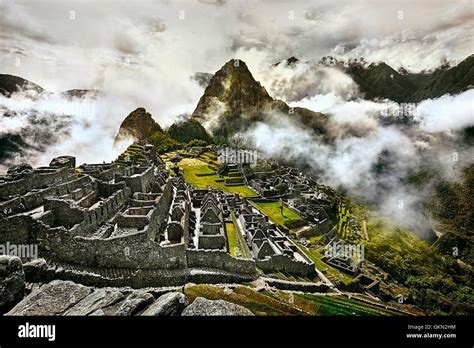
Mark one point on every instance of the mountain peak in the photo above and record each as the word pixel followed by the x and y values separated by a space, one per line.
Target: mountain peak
pixel 234 101
pixel 233 89
pixel 139 125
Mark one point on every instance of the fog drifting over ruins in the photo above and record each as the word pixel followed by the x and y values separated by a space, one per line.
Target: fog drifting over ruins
pixel 145 53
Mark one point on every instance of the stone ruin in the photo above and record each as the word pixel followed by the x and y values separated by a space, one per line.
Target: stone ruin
pixel 270 247
pixel 115 224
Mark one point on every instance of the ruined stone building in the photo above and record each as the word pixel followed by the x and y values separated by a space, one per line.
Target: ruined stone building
pixel 117 224
pixel 270 247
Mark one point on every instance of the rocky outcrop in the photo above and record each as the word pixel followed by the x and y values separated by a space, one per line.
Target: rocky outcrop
pixel 35 270
pixel 19 171
pixel 204 307
pixel 63 161
pixel 138 125
pixel 51 299
pixel 12 282
pixel 96 301
pixel 168 304
pixel 135 302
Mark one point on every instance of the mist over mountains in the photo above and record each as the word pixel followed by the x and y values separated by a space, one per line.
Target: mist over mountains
pixel 353 139
pixel 36 124
pixel 368 148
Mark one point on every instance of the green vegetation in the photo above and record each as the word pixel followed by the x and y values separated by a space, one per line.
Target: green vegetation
pixel 197 173
pixel 232 239
pixel 333 274
pixel 281 303
pixel 132 155
pixel 439 284
pixel 197 142
pixel 342 219
pixel 341 305
pixel 243 248
pixel 187 134
pixel 287 219
pixel 162 142
pixel 452 206
pixel 188 131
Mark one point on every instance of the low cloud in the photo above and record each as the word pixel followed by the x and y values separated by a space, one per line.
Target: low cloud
pixel 54 125
pixel 370 164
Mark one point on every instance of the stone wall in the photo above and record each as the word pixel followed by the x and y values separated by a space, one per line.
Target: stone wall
pixel 39 178
pixel 163 206
pixel 211 241
pixel 66 213
pixel 135 278
pixel 285 264
pixel 126 251
pixel 220 260
pixel 104 172
pixel 140 181
pixel 18 229
pixel 35 199
pixel 297 286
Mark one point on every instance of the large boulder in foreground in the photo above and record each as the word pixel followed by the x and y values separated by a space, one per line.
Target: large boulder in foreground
pixel 135 302
pixel 12 282
pixel 168 304
pixel 95 302
pixel 204 307
pixel 51 299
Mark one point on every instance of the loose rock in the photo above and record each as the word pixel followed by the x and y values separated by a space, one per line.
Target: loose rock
pixel 204 307
pixel 12 282
pixel 171 303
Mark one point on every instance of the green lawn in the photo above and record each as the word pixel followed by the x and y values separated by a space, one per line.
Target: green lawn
pixel 192 166
pixel 232 239
pixel 243 248
pixel 273 211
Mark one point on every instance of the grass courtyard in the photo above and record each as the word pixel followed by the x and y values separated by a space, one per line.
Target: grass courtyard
pixel 234 249
pixel 198 174
pixel 272 209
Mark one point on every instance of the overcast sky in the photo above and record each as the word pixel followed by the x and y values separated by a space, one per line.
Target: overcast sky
pixel 147 50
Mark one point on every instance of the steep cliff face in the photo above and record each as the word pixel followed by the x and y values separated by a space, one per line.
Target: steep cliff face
pixel 138 125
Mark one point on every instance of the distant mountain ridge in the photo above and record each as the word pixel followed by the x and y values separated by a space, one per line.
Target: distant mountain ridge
pixel 381 81
pixel 10 84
